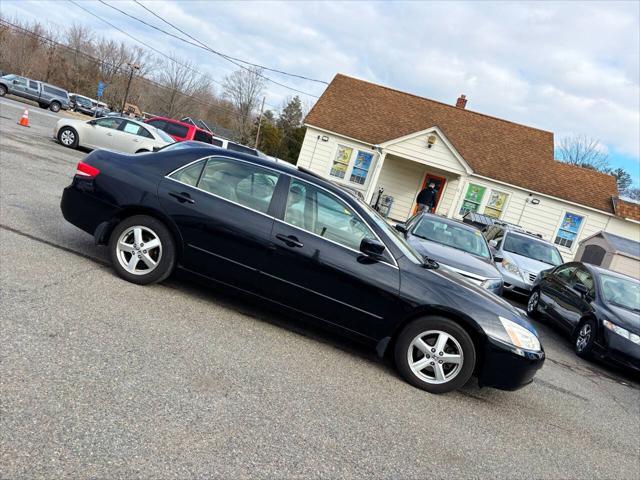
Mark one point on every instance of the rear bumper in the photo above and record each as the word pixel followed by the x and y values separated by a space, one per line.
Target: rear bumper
pixel 83 210
pixel 508 367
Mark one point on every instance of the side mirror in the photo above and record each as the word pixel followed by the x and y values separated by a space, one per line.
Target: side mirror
pixel 497 259
pixel 401 227
pixel 15 82
pixel 371 247
pixel 581 289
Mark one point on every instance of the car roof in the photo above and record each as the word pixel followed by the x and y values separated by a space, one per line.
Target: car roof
pixel 528 236
pixel 179 122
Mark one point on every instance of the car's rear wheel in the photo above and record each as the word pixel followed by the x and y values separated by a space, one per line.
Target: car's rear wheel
pixel 54 107
pixel 533 304
pixel 68 137
pixel 142 250
pixel 584 338
pixel 435 354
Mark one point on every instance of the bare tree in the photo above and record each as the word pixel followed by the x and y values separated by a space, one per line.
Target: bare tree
pixel 584 152
pixel 244 88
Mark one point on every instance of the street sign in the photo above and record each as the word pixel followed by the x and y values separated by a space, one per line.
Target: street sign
pixel 101 86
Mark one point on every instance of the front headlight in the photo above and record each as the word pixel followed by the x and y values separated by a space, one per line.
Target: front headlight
pixel 510 267
pixel 623 332
pixel 520 336
pixel 491 283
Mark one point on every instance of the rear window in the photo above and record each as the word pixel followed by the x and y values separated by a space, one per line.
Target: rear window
pixel 201 136
pixel 175 129
pixel 54 91
pixel 242 149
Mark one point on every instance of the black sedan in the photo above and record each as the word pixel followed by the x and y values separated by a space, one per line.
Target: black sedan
pixel 286 235
pixel 598 308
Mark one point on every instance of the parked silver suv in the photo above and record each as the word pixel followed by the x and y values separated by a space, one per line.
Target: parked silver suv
pixel 524 255
pixel 47 96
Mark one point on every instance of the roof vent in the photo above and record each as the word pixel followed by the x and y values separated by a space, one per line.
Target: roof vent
pixel 462 101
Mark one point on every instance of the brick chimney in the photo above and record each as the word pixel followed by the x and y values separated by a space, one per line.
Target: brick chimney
pixel 462 101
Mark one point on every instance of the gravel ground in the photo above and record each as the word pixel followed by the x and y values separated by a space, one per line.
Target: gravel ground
pixel 100 378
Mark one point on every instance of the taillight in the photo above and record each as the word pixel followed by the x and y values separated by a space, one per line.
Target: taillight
pixel 85 170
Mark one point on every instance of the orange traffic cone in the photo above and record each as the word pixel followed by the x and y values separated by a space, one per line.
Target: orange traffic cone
pixel 24 121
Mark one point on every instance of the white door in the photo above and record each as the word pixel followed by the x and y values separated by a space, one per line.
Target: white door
pixel 99 133
pixel 131 138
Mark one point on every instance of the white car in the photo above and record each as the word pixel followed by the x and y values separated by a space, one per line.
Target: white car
pixel 110 133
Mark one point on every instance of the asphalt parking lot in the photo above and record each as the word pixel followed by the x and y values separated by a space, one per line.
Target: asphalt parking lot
pixel 100 378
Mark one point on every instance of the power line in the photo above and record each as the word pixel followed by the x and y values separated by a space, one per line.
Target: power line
pixel 201 47
pixel 226 56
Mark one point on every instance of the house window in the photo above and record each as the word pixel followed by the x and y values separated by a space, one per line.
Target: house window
pixel 341 162
pixel 495 204
pixel 472 199
pixel 568 230
pixel 361 167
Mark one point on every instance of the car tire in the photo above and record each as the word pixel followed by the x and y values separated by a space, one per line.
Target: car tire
pixel 142 150
pixel 68 137
pixel 43 105
pixel 533 304
pixel 127 241
pixel 584 338
pixel 423 365
pixel 54 106
pixel 3 90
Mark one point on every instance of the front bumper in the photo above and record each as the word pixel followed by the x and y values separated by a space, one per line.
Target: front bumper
pixel 621 351
pixel 514 283
pixel 508 367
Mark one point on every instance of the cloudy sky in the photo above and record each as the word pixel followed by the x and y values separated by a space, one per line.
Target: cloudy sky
pixel 571 68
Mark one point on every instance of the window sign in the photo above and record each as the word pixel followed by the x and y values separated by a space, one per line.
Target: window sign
pixel 131 128
pixel 472 199
pixel 361 167
pixel 495 204
pixel 341 162
pixel 568 230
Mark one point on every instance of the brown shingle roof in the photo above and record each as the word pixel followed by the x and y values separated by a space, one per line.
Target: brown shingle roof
pixel 494 148
pixel 626 209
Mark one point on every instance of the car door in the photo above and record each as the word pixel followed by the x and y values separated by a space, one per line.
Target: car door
pixel 130 137
pixel 100 133
pixel 32 91
pixel 224 224
pixel 576 304
pixel 314 264
pixel 555 293
pixel 19 86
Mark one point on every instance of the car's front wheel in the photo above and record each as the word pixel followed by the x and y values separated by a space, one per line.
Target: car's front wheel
pixel 142 250
pixel 435 354
pixel 3 90
pixel 584 338
pixel 533 304
pixel 68 137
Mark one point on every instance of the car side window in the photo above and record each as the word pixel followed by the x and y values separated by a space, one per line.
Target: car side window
pixel 20 81
pixel 314 210
pixel 585 278
pixel 243 183
pixel 190 174
pixel 565 272
pixel 113 123
pixel 33 85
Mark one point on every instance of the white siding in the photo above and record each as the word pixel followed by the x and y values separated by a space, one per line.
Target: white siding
pixel 543 218
pixel 402 180
pixel 447 199
pixel 626 265
pixel 624 228
pixel 317 155
pixel 439 155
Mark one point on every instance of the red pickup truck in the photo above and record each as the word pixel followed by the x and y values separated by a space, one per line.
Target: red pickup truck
pixel 180 131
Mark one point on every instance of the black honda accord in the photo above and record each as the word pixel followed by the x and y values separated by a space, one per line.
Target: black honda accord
pixel 286 235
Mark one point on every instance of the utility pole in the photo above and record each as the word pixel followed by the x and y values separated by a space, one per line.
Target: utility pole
pixel 259 123
pixel 132 66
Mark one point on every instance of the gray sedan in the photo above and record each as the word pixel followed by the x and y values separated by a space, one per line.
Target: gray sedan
pixel 456 246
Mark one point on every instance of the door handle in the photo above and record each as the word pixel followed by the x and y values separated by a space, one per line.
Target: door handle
pixel 182 197
pixel 290 240
pixel 136 140
pixel 109 134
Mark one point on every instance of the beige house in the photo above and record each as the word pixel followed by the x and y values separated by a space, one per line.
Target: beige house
pixel 372 138
pixel 611 251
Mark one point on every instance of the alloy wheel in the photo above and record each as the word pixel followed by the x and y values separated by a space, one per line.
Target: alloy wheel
pixel 435 357
pixel 583 338
pixel 67 137
pixel 139 250
pixel 532 305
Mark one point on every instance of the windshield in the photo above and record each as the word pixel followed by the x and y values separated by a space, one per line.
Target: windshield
pixel 530 248
pixel 163 135
pixel 393 235
pixel 85 102
pixel 621 292
pixel 11 76
pixel 455 236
